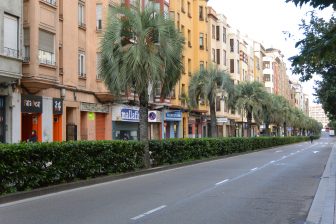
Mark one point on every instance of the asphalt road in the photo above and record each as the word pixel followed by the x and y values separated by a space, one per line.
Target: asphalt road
pixel 271 186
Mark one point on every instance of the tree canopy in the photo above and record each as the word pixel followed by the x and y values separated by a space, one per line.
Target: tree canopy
pixel 321 4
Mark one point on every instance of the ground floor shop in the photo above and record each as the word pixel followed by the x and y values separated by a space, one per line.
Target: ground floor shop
pixel 197 125
pixel 172 126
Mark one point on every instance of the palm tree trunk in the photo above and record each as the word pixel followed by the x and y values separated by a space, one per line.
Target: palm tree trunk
pixel 143 125
pixel 267 129
pixel 213 122
pixel 249 121
pixel 285 128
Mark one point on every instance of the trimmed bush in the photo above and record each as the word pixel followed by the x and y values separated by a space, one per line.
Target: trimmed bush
pixel 33 165
pixel 29 166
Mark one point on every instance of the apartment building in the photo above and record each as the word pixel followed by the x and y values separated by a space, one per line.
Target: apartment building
pixel 11 56
pixel 316 112
pixel 259 54
pixel 301 99
pixel 218 30
pixel 191 19
pixel 60 77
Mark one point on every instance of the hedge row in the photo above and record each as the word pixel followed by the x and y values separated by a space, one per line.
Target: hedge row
pixel 179 150
pixel 29 166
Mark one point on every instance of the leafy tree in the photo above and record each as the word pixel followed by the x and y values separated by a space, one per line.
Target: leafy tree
pixel 251 97
pixel 321 4
pixel 318 54
pixel 140 48
pixel 208 83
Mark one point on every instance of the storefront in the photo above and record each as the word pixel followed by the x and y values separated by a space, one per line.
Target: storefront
pixel 172 125
pixel 57 119
pixel 222 126
pixel 31 117
pixel 94 121
pixel 154 120
pixel 125 122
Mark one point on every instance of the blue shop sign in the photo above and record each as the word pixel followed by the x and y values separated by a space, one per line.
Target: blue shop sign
pixel 174 115
pixel 129 114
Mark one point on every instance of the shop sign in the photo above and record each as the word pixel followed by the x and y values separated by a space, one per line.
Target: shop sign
pixel 222 120
pixel 174 115
pixel 94 107
pixel 31 104
pixel 129 115
pixel 154 116
pixel 57 106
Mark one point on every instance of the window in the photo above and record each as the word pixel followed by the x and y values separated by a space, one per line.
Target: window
pixel 224 34
pixel 182 30
pixel 201 43
pixel 213 55
pixel 201 17
pixel 182 6
pixel 173 93
pixel 238 46
pixel 189 66
pixel 266 64
pixel 231 45
pixel 206 41
pixel 189 14
pixel 226 105
pixel 81 14
pixel 218 56
pixel 178 21
pixel 201 65
pixel 81 64
pixel 99 16
pixel 183 65
pixel 26 43
pixel 183 92
pixel 213 31
pixel 11 36
pixel 238 67
pixel 224 57
pixel 98 66
pixel 189 38
pixel 218 103
pixel 231 65
pixel 217 33
pixel 46 48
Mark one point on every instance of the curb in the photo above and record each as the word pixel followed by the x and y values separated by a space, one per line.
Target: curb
pixel 322 210
pixel 98 180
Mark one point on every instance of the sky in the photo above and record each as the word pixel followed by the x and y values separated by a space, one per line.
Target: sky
pixel 265 21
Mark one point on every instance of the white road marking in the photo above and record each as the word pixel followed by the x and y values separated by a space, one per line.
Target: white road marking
pixel 278 151
pixel 222 182
pixel 284 157
pixel 273 161
pixel 254 169
pixel 149 212
pixel 292 153
pixel 316 152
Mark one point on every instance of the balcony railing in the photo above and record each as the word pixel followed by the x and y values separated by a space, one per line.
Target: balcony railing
pixel 51 2
pixel 47 58
pixel 11 52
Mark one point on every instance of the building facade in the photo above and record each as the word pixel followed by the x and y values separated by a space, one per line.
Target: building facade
pixel 11 56
pixel 316 112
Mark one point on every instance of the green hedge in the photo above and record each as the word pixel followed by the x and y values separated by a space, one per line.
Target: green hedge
pixel 28 166
pixel 179 150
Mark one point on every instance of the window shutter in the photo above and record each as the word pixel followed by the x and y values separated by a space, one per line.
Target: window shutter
pixel 46 41
pixel 11 32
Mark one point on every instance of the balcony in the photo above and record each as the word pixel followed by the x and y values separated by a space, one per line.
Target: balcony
pixel 47 58
pixel 50 2
pixel 13 53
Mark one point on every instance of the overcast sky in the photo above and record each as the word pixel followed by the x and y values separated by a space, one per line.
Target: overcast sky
pixel 265 21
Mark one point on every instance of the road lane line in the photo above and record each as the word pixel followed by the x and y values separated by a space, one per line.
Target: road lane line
pixel 254 169
pixel 222 182
pixel 149 212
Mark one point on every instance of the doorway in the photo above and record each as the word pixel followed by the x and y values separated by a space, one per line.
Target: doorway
pixel 57 128
pixel 30 122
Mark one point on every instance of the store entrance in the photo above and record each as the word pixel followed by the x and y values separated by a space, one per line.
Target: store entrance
pixel 30 122
pixel 57 128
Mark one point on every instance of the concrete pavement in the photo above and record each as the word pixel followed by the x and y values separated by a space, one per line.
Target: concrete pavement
pixel 323 207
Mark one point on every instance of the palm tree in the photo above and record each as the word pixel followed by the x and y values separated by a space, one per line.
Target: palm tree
pixel 140 48
pixel 251 96
pixel 208 83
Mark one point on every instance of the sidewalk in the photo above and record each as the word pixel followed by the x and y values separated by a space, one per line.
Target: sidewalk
pixel 322 210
